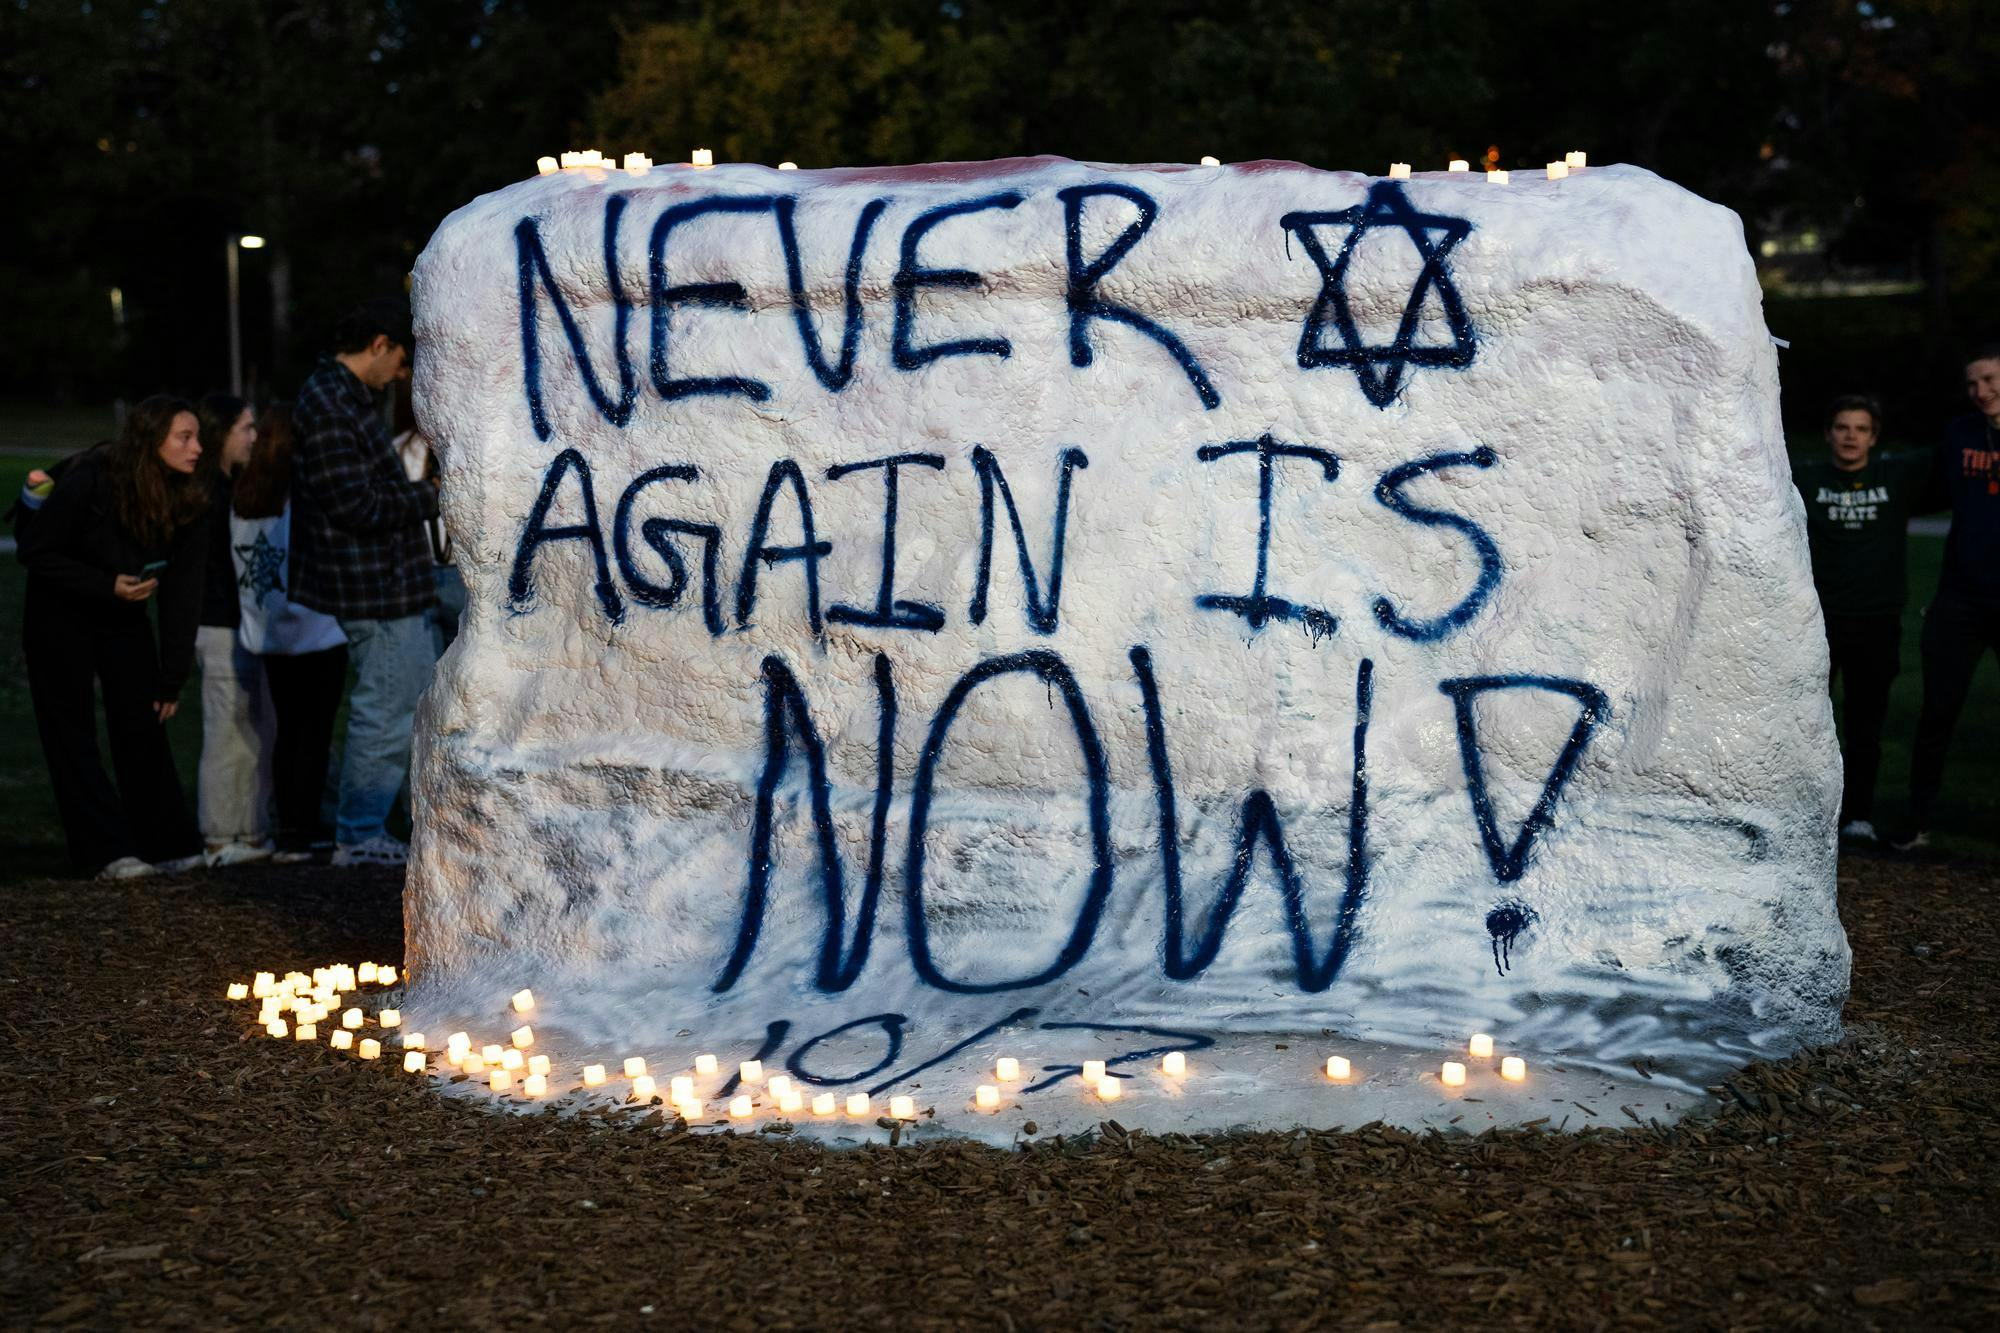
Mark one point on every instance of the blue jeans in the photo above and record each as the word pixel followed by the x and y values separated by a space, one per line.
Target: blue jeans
pixel 392 667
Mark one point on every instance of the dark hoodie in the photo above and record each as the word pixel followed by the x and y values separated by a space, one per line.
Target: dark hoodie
pixel 76 548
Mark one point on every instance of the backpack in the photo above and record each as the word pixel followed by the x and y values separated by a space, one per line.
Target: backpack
pixel 21 514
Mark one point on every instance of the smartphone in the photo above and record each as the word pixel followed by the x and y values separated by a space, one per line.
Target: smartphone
pixel 152 569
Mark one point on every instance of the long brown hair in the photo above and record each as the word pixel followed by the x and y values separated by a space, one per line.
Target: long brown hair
pixel 266 479
pixel 151 500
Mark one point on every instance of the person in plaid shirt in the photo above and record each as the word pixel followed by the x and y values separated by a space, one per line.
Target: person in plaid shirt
pixel 360 554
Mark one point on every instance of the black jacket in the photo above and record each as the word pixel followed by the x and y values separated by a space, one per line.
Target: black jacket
pixel 76 548
pixel 219 603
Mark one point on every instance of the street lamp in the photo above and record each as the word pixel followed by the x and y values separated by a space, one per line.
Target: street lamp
pixel 249 242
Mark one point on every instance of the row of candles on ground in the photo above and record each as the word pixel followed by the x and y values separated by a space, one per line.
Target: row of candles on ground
pixel 310 1000
pixel 638 164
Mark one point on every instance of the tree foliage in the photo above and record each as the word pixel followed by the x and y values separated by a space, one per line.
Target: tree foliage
pixel 143 133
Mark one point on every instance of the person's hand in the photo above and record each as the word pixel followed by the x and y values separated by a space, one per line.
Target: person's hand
pixel 37 477
pixel 132 588
pixel 166 708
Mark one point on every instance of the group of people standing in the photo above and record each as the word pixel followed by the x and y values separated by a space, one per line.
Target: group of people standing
pixel 283 550
pixel 1858 506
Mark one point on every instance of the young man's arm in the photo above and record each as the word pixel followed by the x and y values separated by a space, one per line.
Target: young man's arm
pixel 335 464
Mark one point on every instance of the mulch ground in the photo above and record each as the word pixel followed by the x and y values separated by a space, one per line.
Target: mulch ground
pixel 158 1167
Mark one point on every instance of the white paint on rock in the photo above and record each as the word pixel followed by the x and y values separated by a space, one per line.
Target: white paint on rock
pixel 586 788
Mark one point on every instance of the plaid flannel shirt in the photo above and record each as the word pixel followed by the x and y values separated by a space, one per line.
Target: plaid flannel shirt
pixel 359 550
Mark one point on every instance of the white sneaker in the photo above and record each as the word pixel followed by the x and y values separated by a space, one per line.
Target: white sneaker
pixel 1859 830
pixel 378 851
pixel 182 864
pixel 238 853
pixel 128 867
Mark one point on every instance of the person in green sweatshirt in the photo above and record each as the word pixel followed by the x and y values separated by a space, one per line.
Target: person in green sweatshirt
pixel 1858 508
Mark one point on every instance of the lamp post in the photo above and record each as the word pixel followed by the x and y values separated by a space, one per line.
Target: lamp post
pixel 236 309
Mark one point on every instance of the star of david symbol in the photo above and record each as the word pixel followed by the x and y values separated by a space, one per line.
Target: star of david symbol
pixel 263 567
pixel 1381 369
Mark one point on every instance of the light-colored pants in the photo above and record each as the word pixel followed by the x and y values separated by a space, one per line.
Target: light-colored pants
pixel 237 731
pixel 393 660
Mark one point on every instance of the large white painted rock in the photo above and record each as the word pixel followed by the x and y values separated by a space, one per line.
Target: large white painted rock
pixel 1316 603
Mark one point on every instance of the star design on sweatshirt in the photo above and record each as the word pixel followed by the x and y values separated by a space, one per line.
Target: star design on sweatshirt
pixel 263 567
pixel 1381 368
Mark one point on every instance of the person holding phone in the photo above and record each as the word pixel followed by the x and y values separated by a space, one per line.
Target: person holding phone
pixel 124 526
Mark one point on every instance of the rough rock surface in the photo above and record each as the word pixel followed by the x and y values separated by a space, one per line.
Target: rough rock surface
pixel 1433 648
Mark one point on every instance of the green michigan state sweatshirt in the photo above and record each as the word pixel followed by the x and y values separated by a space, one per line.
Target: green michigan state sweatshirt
pixel 1857 524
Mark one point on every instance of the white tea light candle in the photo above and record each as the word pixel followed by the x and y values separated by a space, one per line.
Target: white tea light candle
pixel 544 165
pixel 823 1103
pixel 490 1053
pixel 385 975
pixel 643 1087
pixel 470 1063
pixel 390 1018
pixel 523 1037
pixel 986 1097
pixel 1575 160
pixel 1497 177
pixel 1452 1074
pixel 306 1032
pixel 1458 164
pixel 703 157
pixel 499 1080
pixel 635 1065
pixel 1109 1089
pixel 705 1064
pixel 857 1104
pixel 238 990
pixel 1337 1068
pixel 682 1087
pixel 535 1085
pixel 778 1084
pixel 790 1100
pixel 369 1048
pixel 538 1064
pixel 512 1059
pixel 1093 1071
pixel 1513 1069
pixel 365 972
pixel 352 1018
pixel 413 1062
pixel 593 1076
pixel 1481 1046
pixel 458 1041
pixel 1399 171
pixel 1007 1069
pixel 1558 170
pixel 1211 161
pixel 276 1027
pixel 752 1071
pixel 523 1000
pixel 341 1040
pixel 739 1107
pixel 902 1108
pixel 788 166
pixel 413 1041
pixel 1173 1064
